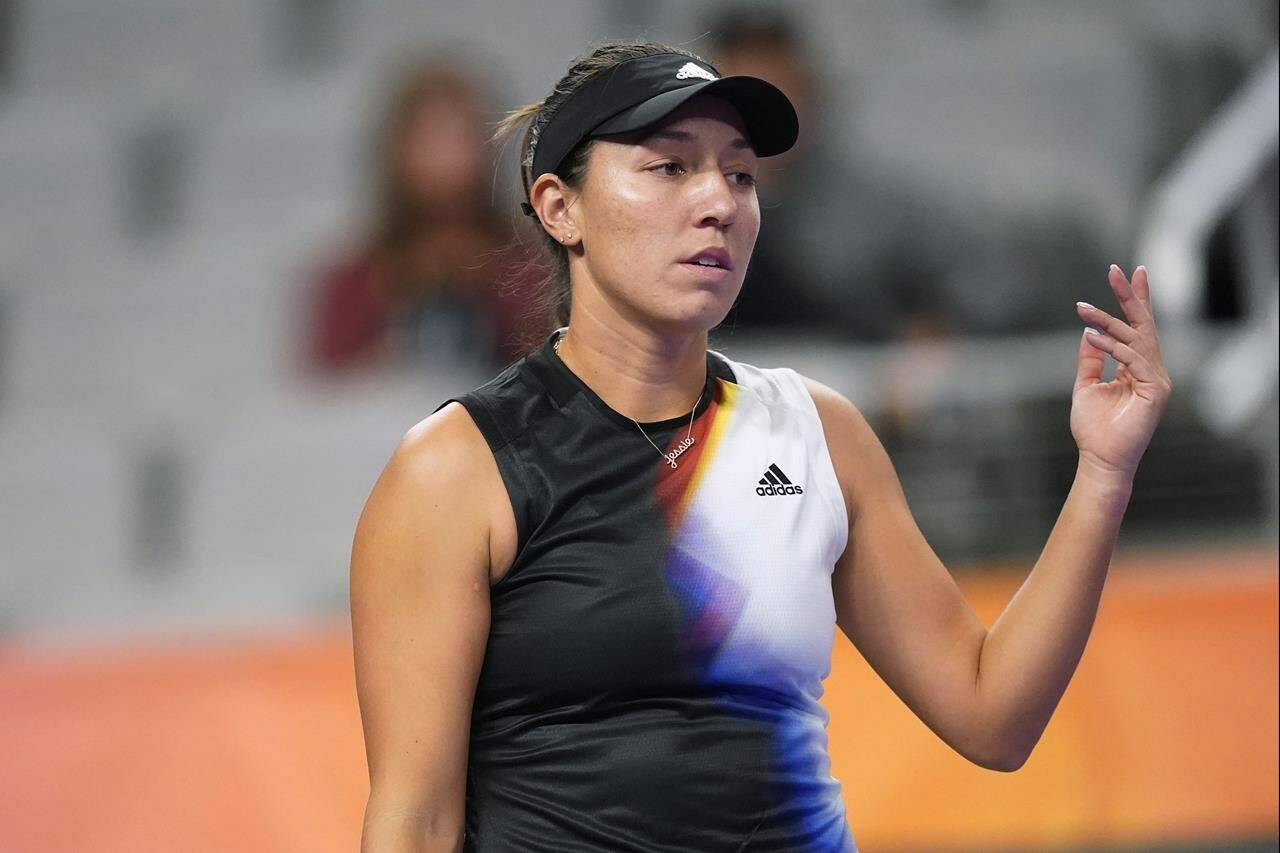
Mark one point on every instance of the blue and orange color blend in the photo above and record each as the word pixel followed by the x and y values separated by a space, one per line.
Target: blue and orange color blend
pixel 656 652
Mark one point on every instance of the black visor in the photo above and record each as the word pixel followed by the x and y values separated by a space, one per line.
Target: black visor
pixel 640 92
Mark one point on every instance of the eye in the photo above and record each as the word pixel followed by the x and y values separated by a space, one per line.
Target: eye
pixel 665 169
pixel 745 179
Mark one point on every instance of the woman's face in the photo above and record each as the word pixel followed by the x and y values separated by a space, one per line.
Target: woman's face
pixel 439 150
pixel 654 201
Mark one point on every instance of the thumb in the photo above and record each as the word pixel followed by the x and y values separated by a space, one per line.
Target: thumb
pixel 1089 363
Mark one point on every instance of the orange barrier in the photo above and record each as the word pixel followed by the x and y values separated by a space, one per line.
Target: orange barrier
pixel 1167 732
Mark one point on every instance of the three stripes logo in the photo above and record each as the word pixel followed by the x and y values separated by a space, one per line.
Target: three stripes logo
pixel 774 482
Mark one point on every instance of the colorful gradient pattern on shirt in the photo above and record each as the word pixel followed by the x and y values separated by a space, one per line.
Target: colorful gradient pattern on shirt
pixel 710 602
pixel 712 589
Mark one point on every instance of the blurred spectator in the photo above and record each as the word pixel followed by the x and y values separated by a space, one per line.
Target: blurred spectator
pixel 431 284
pixel 840 248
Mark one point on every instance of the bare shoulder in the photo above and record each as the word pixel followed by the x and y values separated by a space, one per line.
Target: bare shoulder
pixel 442 470
pixel 420 616
pixel 849 436
pixel 829 401
pixel 434 458
pixel 446 445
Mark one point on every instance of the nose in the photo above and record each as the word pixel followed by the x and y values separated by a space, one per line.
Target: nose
pixel 716 202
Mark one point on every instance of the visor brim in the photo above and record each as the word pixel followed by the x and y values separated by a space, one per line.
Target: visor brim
pixel 770 119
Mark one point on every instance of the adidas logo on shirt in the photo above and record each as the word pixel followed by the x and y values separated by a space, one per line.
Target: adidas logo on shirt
pixel 774 482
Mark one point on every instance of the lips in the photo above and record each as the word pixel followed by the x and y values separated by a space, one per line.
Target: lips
pixel 720 256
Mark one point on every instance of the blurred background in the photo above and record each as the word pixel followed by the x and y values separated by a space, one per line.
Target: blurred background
pixel 246 244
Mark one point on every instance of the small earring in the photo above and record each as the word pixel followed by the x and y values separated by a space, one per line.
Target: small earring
pixel 569 236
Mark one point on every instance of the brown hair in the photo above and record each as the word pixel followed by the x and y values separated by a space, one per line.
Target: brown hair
pixel 554 296
pixel 419 80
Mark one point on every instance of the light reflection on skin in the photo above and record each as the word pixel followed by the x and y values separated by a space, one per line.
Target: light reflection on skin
pixel 644 208
pixel 640 317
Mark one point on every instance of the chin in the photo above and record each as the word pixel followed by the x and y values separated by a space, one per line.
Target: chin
pixel 699 314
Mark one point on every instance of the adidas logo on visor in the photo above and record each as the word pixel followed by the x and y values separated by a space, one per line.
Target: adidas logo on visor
pixel 690 70
pixel 774 482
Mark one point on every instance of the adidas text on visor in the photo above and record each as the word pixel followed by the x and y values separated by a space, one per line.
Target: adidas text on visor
pixel 641 91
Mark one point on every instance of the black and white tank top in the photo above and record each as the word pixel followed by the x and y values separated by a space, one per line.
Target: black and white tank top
pixel 657 649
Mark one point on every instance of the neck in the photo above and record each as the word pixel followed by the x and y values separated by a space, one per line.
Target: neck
pixel 639 372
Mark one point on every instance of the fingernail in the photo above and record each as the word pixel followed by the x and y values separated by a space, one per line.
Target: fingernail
pixel 1091 331
pixel 1084 304
pixel 1116 268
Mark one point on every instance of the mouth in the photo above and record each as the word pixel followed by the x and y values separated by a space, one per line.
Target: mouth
pixel 708 274
pixel 711 258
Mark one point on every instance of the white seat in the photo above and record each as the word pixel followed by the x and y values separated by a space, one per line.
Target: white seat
pixel 58 179
pixel 182 336
pixel 280 148
pixel 65 519
pixel 275 500
pixel 73 45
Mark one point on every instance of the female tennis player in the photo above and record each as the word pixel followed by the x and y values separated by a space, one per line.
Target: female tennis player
pixel 593 600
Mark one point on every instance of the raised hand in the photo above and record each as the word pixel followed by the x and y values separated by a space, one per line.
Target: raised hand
pixel 1112 422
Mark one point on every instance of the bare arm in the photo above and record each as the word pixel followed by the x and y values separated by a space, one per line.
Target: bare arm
pixel 1033 648
pixel 987 694
pixel 420 622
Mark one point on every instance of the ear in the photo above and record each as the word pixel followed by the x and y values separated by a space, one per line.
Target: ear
pixel 551 199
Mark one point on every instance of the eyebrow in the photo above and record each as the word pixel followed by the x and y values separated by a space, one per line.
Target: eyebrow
pixel 685 136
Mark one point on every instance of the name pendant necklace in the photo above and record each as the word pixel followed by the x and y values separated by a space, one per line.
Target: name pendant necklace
pixel 685 443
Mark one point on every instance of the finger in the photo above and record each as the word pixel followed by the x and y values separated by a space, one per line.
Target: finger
pixel 1100 319
pixel 1142 287
pixel 1133 307
pixel 1089 364
pixel 1137 363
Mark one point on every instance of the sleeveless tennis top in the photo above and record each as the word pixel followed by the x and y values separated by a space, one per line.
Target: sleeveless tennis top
pixel 657 649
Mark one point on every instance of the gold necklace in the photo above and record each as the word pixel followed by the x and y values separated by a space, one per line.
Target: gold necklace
pixel 685 443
